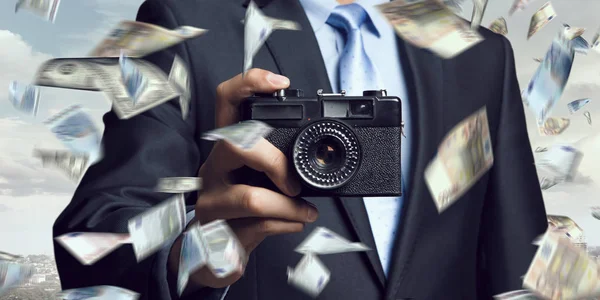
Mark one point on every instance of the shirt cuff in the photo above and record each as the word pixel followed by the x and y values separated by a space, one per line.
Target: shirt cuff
pixel 160 273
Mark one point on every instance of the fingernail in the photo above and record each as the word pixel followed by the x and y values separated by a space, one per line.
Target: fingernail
pixel 313 213
pixel 278 80
pixel 294 187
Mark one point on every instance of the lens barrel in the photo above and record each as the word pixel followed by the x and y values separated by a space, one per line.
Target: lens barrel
pixel 326 154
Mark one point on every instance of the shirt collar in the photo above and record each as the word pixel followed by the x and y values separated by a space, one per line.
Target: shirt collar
pixel 318 12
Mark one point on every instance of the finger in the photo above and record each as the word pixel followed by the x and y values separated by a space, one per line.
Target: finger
pixel 241 201
pixel 231 92
pixel 263 157
pixel 252 231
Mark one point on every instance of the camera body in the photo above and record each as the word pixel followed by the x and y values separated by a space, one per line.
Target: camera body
pixel 338 145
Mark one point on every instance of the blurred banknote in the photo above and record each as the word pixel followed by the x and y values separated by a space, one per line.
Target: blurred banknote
pixel 517 295
pixel 541 18
pixel 478 11
pixel 153 228
pixel 541 149
pixel 580 45
pixel 518 5
pixel 463 157
pixel 24 97
pixel 310 275
pixel 572 230
pixel 44 8
pixel 71 164
pixel 133 80
pixel 244 134
pixel 178 185
pixel 560 270
pixel 561 160
pixel 595 212
pixel 577 104
pixel 587 115
pixel 546 182
pixel 13 275
pixel 325 241
pixel 75 129
pixel 89 247
pixel 194 255
pixel 179 78
pixel 257 29
pixel 430 24
pixel 547 84
pixel 225 253
pixel 572 32
pixel 104 74
pixel 8 257
pixel 137 39
pixel 102 292
pixel 538 59
pixel 554 126
pixel 499 26
pixel 596 42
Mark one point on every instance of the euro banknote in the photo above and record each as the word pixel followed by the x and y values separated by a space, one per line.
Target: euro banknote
pixel 244 134
pixel 464 155
pixel 560 270
pixel 479 7
pixel 103 74
pixel 324 241
pixel 225 253
pixel 541 18
pixel 310 275
pixel 177 185
pixel 137 39
pixel 13 274
pixel 76 130
pixel 133 80
pixel 573 230
pixel 518 5
pixel 595 212
pixel 554 126
pixel 576 105
pixel 89 247
pixel 430 24
pixel 102 292
pixel 157 226
pixel 547 84
pixel 46 9
pixel 71 164
pixel 499 26
pixel 194 255
pixel 24 98
pixel 257 29
pixel 179 78
pixel 588 117
pixel 5 256
pixel 561 160
pixel 517 295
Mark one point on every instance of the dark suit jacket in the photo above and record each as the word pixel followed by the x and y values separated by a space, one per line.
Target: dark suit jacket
pixel 479 247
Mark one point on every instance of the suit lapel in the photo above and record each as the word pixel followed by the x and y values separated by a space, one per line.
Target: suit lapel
pixel 424 80
pixel 296 52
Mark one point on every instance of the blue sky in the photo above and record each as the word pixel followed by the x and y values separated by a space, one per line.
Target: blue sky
pixel 31 197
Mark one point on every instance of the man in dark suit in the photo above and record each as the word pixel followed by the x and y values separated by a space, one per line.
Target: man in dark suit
pixel 478 247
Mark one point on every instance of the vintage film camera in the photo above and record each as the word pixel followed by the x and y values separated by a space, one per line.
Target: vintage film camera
pixel 338 145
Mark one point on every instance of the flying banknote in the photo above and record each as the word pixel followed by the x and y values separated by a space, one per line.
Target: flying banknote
pixel 24 98
pixel 547 84
pixel 577 104
pixel 541 18
pixel 499 26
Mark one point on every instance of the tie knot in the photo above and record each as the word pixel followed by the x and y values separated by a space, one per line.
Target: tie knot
pixel 347 17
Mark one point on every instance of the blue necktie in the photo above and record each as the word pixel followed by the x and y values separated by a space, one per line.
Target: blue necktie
pixel 356 71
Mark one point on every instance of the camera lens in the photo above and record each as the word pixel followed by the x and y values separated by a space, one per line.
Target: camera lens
pixel 326 154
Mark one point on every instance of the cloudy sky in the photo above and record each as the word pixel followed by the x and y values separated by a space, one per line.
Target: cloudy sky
pixel 31 197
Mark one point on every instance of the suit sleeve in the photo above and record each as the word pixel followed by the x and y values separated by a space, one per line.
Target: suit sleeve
pixel 137 152
pixel 513 213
